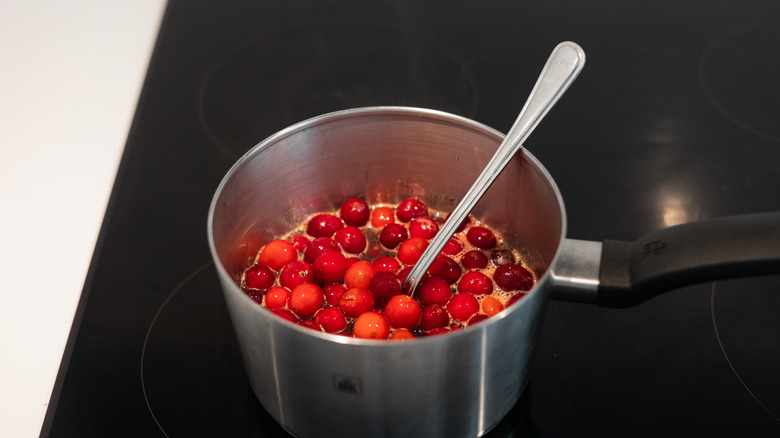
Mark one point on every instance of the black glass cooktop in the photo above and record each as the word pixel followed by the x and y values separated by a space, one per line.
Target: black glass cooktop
pixel 676 117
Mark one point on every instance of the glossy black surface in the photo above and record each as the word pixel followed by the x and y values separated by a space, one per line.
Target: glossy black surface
pixel 674 118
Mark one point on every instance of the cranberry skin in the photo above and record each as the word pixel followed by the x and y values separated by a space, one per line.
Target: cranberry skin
pixel 306 299
pixel 403 311
pixel 351 239
pixel 259 277
pixel 387 263
pixel 296 273
pixel 360 275
pixel 439 331
pixel 475 283
pixel 324 225
pixel 319 246
pixel 462 307
pixel 381 216
pixel 371 325
pixel 409 209
pixel 331 320
pixel 481 237
pixel 511 277
pixel 355 212
pixel 515 298
pixel 330 267
pixel 309 323
pixel 276 297
pixel 434 290
pixel 333 292
pixel 453 246
pixel 276 254
pixel 300 243
pixel 255 295
pixel 411 250
pixel 356 301
pixel 474 259
pixel 477 318
pixel 501 257
pixel 445 268
pixel 385 285
pixel 392 235
pixel 433 317
pixel 423 226
pixel 285 314
pixel 401 335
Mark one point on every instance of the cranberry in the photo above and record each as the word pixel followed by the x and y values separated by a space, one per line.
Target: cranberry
pixel 403 311
pixel 330 267
pixel 300 243
pixel 511 277
pixel 439 331
pixel 360 274
pixel 295 273
pixel 501 257
pixel 286 314
pixel 411 249
pixel 387 263
pixel 474 259
pixel 255 295
pixel 475 283
pixel 462 307
pixel 515 298
pixel 490 306
pixel 351 240
pixel 276 297
pixel 445 268
pixel 356 301
pixel 423 226
pixel 318 246
pixel 324 225
pixel 453 246
pixel 355 212
pixel 276 254
pixel 481 237
pixel 371 325
pixel 259 277
pixel 392 235
pixel 309 323
pixel 385 285
pixel 434 317
pixel 401 335
pixel 331 320
pixel 306 299
pixel 477 318
pixel 381 216
pixel 434 290
pixel 333 292
pixel 409 209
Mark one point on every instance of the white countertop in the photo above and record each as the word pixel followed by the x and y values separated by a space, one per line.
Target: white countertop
pixel 71 76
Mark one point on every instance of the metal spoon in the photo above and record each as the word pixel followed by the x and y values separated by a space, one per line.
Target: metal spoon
pixel 563 66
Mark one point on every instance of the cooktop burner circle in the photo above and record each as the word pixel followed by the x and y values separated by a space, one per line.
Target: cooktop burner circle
pixel 291 74
pixel 746 319
pixel 739 77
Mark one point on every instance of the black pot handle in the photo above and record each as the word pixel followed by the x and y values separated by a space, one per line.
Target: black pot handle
pixel 736 246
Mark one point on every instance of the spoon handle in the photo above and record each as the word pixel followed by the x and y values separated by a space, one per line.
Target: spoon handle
pixel 563 66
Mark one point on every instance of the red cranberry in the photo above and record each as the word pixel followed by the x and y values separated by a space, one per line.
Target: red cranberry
pixel 474 259
pixel 439 331
pixel 285 314
pixel 445 268
pixel 462 307
pixel 259 277
pixel 387 263
pixel 384 286
pixel 331 320
pixel 309 323
pixel 351 239
pixel 295 273
pixel 324 225
pixel 255 295
pixel 356 301
pixel 433 317
pixel 515 298
pixel 411 249
pixel 276 254
pixel 300 243
pixel 501 257
pixel 381 216
pixel 318 246
pixel 306 299
pixel 401 335
pixel 392 235
pixel 330 267
pixel 403 311
pixel 434 290
pixel 409 209
pixel 372 325
pixel 453 246
pixel 276 297
pixel 333 292
pixel 481 237
pixel 359 274
pixel 475 283
pixel 491 306
pixel 355 212
pixel 423 226
pixel 477 318
pixel 511 277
